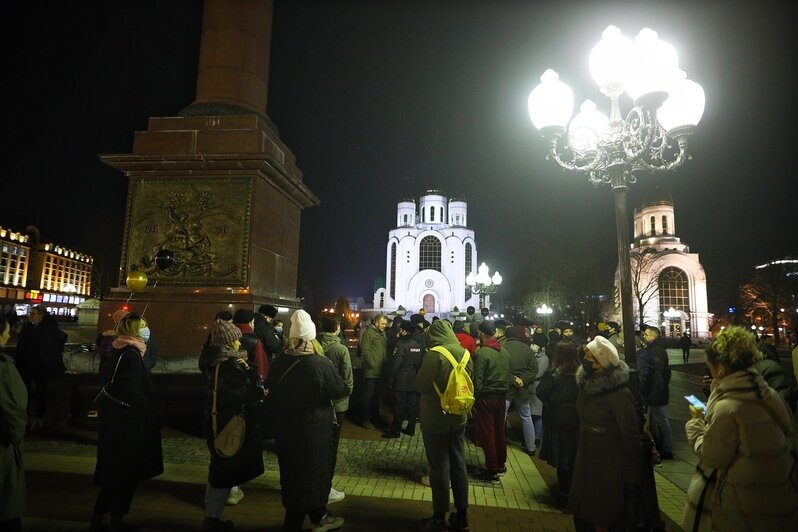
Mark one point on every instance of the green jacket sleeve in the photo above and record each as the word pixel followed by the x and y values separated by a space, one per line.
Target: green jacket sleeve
pixel 13 404
pixel 368 349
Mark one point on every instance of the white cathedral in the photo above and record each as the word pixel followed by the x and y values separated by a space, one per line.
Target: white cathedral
pixel 677 297
pixel 429 255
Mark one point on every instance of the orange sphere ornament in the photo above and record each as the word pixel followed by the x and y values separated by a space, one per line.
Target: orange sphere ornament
pixel 136 281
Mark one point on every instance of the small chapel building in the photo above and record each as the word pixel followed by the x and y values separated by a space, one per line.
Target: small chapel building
pixel 670 277
pixel 429 254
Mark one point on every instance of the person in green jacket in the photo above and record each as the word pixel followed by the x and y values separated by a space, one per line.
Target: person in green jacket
pixel 443 433
pixel 13 421
pixel 373 350
pixel 523 370
pixel 491 382
pixel 338 354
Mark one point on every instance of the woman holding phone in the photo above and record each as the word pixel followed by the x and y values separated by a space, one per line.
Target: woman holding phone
pixel 741 442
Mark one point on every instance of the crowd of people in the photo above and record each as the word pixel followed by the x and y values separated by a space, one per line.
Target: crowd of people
pixel 575 401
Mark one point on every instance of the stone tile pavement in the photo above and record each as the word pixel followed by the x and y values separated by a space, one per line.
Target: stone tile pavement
pixel 380 478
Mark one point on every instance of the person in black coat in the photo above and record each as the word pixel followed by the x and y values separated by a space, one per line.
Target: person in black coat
pixel 232 389
pixel 402 381
pixel 655 378
pixel 558 390
pixel 265 330
pixel 129 437
pixel 40 350
pixel 302 385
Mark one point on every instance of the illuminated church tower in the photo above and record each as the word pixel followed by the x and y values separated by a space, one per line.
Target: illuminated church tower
pixel 429 254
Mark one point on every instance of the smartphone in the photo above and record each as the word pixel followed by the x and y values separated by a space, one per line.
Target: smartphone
pixel 693 400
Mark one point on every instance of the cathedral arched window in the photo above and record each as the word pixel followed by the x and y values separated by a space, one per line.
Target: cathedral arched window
pixel 393 270
pixel 429 254
pixel 653 221
pixel 674 290
pixel 664 225
pixel 432 214
pixel 467 268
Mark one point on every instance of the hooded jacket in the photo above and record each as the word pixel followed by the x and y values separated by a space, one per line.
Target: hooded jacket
pixel 523 364
pixel 338 354
pixel 655 373
pixel 435 369
pixel 744 442
pixel 492 370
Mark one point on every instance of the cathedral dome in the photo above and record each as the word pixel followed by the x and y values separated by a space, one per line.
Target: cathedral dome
pixel 658 196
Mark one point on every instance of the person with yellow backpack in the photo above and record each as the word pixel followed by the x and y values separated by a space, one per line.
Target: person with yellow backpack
pixel 447 396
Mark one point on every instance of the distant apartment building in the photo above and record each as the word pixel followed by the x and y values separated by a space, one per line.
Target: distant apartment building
pixel 34 273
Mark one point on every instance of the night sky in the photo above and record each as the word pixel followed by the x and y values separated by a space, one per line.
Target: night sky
pixel 383 99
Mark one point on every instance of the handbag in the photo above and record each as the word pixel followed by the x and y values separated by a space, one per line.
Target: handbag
pixel 697 516
pixel 104 390
pixel 228 441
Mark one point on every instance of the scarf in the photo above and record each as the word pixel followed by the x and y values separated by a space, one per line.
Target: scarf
pixel 123 341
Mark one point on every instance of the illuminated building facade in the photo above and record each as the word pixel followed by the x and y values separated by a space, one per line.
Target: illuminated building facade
pixel 669 275
pixel 41 273
pixel 429 254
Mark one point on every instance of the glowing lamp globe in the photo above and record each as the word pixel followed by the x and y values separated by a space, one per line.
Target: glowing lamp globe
pixel 551 102
pixel 654 65
pixel 684 106
pixel 610 61
pixel 587 128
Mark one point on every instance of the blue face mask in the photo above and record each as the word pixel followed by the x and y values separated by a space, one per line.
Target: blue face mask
pixel 278 329
pixel 145 334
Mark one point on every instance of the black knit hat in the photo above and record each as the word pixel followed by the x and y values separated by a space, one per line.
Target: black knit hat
pixel 408 326
pixel 416 319
pixel 487 328
pixel 243 316
pixel 267 310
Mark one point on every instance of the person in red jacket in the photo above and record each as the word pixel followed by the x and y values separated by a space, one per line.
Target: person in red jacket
pixel 465 339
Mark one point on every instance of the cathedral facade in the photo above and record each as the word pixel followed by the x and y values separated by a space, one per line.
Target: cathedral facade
pixel 429 254
pixel 667 278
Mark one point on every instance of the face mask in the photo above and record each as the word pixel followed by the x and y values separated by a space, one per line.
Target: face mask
pixel 278 329
pixel 145 334
pixel 588 367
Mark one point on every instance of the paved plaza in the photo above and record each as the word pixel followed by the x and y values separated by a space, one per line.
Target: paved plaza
pixel 381 479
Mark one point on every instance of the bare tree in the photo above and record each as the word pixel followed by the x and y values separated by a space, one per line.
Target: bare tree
pixel 645 279
pixel 766 295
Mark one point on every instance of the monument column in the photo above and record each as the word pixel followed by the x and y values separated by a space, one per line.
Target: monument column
pixel 216 186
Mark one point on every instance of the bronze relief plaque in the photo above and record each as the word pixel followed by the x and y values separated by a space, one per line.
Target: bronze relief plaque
pixel 204 222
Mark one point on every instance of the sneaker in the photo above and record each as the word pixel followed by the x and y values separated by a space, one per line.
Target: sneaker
pixel 389 435
pixel 425 480
pixel 432 523
pixel 459 524
pixel 501 472
pixel 210 524
pixel 236 494
pixel 328 522
pixel 335 496
pixel 487 476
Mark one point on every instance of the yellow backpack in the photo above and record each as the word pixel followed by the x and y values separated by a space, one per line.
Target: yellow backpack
pixel 458 396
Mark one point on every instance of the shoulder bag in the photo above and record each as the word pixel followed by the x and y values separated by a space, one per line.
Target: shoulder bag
pixel 104 390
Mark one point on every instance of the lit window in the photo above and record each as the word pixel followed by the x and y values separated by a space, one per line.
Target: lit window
pixel 429 254
pixel 393 270
pixel 674 290
pixel 653 226
pixel 664 225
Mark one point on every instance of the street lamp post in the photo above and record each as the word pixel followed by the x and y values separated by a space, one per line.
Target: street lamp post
pixel 482 283
pixel 613 150
pixel 544 310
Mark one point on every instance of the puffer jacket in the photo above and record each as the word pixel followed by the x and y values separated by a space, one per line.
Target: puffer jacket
pixel 741 437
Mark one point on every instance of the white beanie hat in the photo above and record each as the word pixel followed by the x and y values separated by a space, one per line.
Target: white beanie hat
pixel 302 326
pixel 604 352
